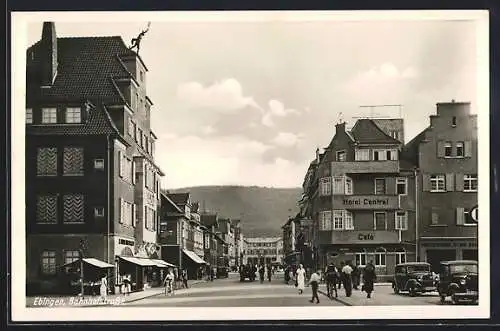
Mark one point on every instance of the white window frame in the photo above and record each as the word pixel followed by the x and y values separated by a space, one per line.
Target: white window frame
pixel 50 256
pixel 338 185
pixel 448 144
pixel 382 154
pixel 359 258
pixel 337 215
pixel 379 253
pixel 399 181
pixel 470 179
pixel 462 145
pixel 325 186
pixel 99 211
pixel 401 220
pixel 375 220
pixel 97 164
pixel 349 188
pixel 70 256
pixel 49 115
pixel 325 219
pixel 342 152
pixel 348 220
pixel 437 179
pixel 375 186
pixel 29 115
pixel 399 255
pixel 73 115
pixel 362 154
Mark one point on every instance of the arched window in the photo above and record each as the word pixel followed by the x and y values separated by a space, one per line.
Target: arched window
pixel 361 258
pixel 400 255
pixel 380 255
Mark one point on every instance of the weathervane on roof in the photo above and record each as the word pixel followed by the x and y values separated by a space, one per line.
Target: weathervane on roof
pixel 136 42
pixel 340 118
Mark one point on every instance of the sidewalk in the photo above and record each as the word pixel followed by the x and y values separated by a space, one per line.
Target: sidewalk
pixel 47 301
pixel 358 297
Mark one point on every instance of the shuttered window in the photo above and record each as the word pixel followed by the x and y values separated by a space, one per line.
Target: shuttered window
pixel 46 209
pixel 468 148
pixel 73 161
pixel 470 183
pixel 73 209
pixel 460 216
pixel 437 183
pixel 450 180
pixel 46 161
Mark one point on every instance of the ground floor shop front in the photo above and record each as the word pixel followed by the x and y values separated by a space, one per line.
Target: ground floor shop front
pixel 435 250
pixel 384 257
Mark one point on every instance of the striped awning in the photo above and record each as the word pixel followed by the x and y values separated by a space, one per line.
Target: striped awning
pixel 144 262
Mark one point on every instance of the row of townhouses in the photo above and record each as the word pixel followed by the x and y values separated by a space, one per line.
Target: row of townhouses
pixel 93 200
pixel 370 197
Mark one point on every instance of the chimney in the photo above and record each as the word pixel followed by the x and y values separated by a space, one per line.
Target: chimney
pixel 48 54
pixel 317 155
pixel 340 127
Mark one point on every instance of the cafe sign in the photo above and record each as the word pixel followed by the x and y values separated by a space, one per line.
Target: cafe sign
pixel 368 202
pixel 362 237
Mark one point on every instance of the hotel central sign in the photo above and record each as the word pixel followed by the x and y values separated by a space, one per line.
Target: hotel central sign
pixel 384 202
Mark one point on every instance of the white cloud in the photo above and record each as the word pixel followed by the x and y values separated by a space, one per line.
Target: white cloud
pixel 208 129
pixel 277 108
pixel 267 120
pixel 287 139
pixel 224 96
pixel 191 160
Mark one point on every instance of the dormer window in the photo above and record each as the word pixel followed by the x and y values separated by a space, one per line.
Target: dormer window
pixel 49 115
pixel 29 115
pixel 73 115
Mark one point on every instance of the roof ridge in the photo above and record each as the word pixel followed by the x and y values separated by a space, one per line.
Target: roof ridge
pixel 383 132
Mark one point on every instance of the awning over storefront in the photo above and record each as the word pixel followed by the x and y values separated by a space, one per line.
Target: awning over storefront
pixel 194 257
pixel 92 261
pixel 147 262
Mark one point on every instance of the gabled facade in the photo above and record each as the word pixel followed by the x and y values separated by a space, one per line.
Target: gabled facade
pixel 447 152
pixel 360 197
pixel 93 181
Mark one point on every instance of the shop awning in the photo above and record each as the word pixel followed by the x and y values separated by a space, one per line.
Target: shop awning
pixel 94 262
pixel 163 264
pixel 138 261
pixel 194 257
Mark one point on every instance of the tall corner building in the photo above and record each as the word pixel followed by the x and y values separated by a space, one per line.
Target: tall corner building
pixel 92 182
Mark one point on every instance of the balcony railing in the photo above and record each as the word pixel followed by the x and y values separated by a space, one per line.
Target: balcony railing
pixel 366 202
pixel 365 167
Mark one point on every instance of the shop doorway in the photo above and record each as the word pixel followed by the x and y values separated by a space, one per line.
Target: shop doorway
pixel 436 256
pixel 470 254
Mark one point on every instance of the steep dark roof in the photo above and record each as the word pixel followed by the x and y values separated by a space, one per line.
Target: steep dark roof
pixel 169 206
pixel 366 131
pixel 410 150
pixel 86 68
pixel 208 219
pixel 179 198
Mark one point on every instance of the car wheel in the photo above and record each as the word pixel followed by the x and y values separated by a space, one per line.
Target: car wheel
pixel 455 300
pixel 442 298
pixel 396 289
pixel 413 292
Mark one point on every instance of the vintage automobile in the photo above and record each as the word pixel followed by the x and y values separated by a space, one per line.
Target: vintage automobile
pixel 247 272
pixel 458 280
pixel 414 278
pixel 222 272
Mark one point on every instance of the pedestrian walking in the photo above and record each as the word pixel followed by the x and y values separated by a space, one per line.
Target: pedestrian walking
pixel 331 278
pixel 212 274
pixel 369 277
pixel 347 271
pixel 127 286
pixel 341 278
pixel 269 272
pixel 356 273
pixel 262 271
pixel 314 282
pixel 169 282
pixel 185 278
pixel 301 279
pixel 104 287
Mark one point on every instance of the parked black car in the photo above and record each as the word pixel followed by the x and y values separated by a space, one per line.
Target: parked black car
pixel 222 272
pixel 459 280
pixel 247 272
pixel 413 277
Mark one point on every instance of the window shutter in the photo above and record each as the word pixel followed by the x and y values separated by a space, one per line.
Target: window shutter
pixel 390 185
pixel 460 216
pixel 468 148
pixel 133 171
pixel 120 163
pixel 459 182
pixel 449 182
pixel 120 215
pixel 426 182
pixel 440 148
pixel 394 154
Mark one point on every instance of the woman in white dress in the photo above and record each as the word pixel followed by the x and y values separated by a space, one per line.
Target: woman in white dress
pixel 104 287
pixel 301 279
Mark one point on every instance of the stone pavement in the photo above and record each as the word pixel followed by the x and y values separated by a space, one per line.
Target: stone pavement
pixel 358 297
pixel 95 301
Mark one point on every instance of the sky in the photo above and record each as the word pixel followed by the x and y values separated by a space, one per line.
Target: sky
pixel 248 102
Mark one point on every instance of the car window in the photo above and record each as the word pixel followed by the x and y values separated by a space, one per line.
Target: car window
pixel 418 268
pixel 463 268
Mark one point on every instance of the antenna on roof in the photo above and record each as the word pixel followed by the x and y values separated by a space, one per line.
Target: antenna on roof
pixel 136 42
pixel 372 107
pixel 340 119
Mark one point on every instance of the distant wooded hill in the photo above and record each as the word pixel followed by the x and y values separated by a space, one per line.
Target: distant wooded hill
pixel 262 210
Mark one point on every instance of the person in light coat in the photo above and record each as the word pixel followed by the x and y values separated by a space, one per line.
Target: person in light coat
pixel 314 281
pixel 301 279
pixel 104 287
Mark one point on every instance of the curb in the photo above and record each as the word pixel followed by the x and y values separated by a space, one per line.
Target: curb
pixel 159 293
pixel 335 299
